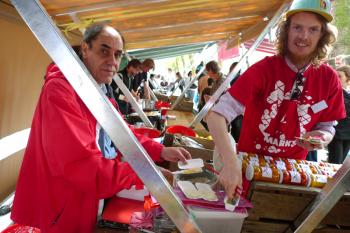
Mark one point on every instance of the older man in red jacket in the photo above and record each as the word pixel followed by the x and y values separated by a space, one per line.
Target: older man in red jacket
pixel 66 170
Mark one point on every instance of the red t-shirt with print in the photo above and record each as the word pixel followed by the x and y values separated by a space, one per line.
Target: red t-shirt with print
pixel 271 119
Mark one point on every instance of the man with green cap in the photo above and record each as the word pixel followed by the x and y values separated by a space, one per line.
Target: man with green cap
pixel 284 97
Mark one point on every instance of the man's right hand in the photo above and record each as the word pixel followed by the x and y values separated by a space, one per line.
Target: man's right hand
pixel 231 175
pixel 231 178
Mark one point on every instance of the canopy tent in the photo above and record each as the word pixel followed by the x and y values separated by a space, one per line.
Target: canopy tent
pixel 166 52
pixel 337 186
pixel 265 46
pixel 164 23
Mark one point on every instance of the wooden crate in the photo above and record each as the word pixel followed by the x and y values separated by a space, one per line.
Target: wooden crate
pixel 277 206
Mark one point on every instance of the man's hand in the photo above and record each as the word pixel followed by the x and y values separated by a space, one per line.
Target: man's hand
pixel 175 154
pixel 231 175
pixel 324 137
pixel 231 179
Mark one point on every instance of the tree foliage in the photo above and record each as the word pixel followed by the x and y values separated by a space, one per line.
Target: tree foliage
pixel 342 22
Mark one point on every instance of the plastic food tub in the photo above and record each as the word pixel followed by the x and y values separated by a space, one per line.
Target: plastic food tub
pixel 148 132
pixel 16 228
pixel 160 104
pixel 183 130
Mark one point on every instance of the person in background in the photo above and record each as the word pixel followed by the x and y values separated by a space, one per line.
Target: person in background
pixel 163 82
pixel 199 67
pixel 66 168
pixel 170 76
pixel 206 92
pixel 289 95
pixel 153 84
pixel 179 81
pixel 127 75
pixel 232 66
pixel 142 80
pixel 205 95
pixel 213 71
pixel 340 145
pixel 216 78
pixel 191 92
pixel 158 79
pixel 202 83
pixel 189 75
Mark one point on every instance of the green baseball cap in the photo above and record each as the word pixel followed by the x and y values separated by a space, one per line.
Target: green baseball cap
pixel 321 7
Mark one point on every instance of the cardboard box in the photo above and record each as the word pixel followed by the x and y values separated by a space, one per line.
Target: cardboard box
pixel 161 96
pixel 185 104
pixel 205 153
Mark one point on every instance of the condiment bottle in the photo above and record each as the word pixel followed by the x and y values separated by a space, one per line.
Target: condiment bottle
pixel 318 181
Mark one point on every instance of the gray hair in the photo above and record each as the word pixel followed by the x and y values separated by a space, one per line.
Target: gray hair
pixel 94 30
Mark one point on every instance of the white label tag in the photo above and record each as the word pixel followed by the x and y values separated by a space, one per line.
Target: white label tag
pixel 321 178
pixel 305 168
pixel 281 165
pixel 266 172
pixel 295 177
pixel 319 106
pixel 254 161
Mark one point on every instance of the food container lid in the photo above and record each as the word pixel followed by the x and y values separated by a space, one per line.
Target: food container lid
pixel 191 164
pixel 230 205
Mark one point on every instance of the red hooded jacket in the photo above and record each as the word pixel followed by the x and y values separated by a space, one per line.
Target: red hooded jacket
pixel 64 174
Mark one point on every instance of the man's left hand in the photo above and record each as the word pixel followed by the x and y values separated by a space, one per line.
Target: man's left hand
pixel 325 139
pixel 175 154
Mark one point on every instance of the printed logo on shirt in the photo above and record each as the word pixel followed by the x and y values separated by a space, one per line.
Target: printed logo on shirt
pixel 276 142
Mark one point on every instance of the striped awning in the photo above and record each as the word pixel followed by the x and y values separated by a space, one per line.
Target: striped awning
pixel 165 23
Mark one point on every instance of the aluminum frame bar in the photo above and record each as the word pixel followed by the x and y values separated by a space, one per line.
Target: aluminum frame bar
pixel 132 100
pixel 325 200
pixel 154 97
pixel 179 98
pixel 171 93
pixel 112 122
pixel 235 71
